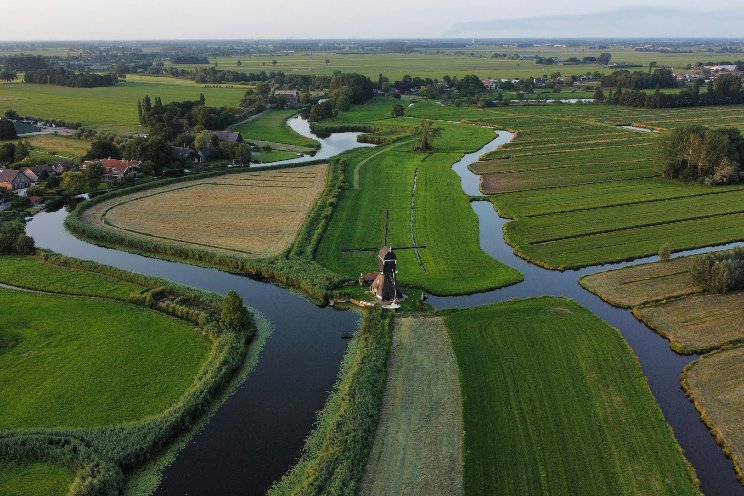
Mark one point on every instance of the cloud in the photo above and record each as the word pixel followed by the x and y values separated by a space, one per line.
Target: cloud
pixel 629 22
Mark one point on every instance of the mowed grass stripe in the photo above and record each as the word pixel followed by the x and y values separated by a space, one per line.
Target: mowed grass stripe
pixel 555 403
pixel 634 243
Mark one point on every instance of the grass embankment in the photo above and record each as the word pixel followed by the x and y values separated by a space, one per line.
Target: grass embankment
pixel 418 445
pixel 584 191
pixel 272 127
pixel 34 479
pixel 51 148
pixel 555 403
pixel 293 268
pixel 338 448
pixel 715 384
pixel 113 108
pixel 443 220
pixel 96 386
pixel 254 214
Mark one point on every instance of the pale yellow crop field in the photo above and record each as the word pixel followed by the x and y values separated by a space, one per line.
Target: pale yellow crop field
pixel 254 214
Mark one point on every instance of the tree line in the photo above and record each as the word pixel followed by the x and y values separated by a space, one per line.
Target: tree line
pixel 640 80
pixel 65 77
pixel 724 90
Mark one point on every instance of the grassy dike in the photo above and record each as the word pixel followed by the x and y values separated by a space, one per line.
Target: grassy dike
pixel 293 269
pixel 101 449
pixel 337 450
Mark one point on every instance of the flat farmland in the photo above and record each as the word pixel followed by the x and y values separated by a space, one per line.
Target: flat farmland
pixel 109 108
pixel 34 479
pixel 254 214
pixel 583 191
pixel 271 127
pixel 639 284
pixel 698 323
pixel 422 396
pixel 715 384
pixel 554 402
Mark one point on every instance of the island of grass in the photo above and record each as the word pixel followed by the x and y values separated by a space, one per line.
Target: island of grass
pixel 100 369
pixel 270 128
pixel 554 402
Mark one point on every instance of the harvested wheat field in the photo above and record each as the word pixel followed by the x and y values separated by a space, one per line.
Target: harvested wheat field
pixel 698 323
pixel 632 286
pixel 257 214
pixel 716 385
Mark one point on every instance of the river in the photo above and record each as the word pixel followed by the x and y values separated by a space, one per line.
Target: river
pixel 259 431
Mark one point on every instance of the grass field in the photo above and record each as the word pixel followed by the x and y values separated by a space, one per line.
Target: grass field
pixel 34 479
pixel 422 397
pixel 455 62
pixel 555 403
pixel 271 127
pixel 34 273
pixel 54 148
pixel 584 191
pixel 256 214
pixel 632 286
pixel 68 361
pixel 108 108
pixel 698 323
pixel 715 384
pixel 443 220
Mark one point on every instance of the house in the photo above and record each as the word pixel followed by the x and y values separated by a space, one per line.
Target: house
pixel 30 174
pixel 365 279
pixel 13 180
pixel 490 84
pixel 181 153
pixel 204 154
pixel 291 97
pixel 228 136
pixel 116 168
pixel 44 170
pixel 36 201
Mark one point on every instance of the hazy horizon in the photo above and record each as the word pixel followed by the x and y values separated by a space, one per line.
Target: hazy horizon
pixel 89 20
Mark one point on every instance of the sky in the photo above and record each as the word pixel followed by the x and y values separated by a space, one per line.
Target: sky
pixel 29 20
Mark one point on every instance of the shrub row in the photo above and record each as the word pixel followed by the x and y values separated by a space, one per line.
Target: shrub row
pixel 100 455
pixel 317 220
pixel 337 450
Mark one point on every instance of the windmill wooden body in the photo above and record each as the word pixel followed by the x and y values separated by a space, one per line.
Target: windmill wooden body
pixel 384 286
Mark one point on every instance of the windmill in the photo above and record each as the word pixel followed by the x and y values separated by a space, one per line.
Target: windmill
pixel 383 284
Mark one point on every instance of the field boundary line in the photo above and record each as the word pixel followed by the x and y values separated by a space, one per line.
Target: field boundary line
pixel 413 237
pixel 376 154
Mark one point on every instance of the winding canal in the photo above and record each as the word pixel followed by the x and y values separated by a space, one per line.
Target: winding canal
pixel 259 431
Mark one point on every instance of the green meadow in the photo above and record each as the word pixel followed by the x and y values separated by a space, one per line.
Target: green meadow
pixel 34 479
pixel 554 402
pixel 91 362
pixel 109 108
pixel 271 126
pixel 443 220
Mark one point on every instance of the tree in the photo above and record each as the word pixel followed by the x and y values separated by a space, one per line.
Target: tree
pixel 665 252
pixel 397 110
pixel 273 62
pixel 7 153
pixel 239 63
pixel 243 153
pixel 102 149
pixel 94 172
pixel 234 316
pixel 599 95
pixel 12 115
pixel 201 141
pixel 604 58
pixel 74 181
pixel 7 130
pixel 20 152
pixel 8 75
pixel 423 136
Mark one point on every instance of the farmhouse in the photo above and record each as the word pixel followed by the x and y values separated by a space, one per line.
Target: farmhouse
pixel 13 179
pixel 229 136
pixel 30 174
pixel 181 153
pixel 291 99
pixel 116 168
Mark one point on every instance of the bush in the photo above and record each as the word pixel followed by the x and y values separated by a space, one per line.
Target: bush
pixel 665 253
